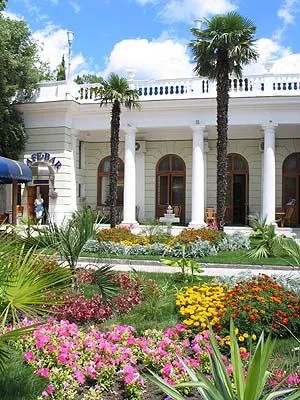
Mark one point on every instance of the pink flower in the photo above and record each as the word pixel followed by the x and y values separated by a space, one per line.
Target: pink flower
pixel 45 372
pixel 29 356
pixel 79 377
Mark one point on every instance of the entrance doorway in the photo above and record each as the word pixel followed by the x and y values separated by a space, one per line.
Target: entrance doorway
pixel 291 184
pixel 237 190
pixel 170 185
pixel 33 192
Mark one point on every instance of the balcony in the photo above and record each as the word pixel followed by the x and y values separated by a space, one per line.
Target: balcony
pixel 168 89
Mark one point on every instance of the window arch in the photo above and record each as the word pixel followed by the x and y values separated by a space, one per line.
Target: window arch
pixel 170 184
pixel 237 189
pixel 103 182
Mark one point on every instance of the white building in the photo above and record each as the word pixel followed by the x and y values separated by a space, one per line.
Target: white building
pixel 167 149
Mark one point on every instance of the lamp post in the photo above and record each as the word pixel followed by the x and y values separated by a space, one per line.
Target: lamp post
pixel 70 35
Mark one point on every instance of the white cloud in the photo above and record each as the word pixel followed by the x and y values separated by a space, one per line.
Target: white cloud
pixel 75 6
pixel 288 10
pixel 54 45
pixel 287 13
pixel 188 10
pixel 156 59
pixel 35 11
pixel 11 15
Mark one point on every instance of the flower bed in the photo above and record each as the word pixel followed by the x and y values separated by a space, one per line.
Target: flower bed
pixel 255 304
pixel 80 309
pixel 198 243
pixel 88 365
pixel 260 304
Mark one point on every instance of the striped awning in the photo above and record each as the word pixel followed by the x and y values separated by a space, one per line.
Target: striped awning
pixel 11 170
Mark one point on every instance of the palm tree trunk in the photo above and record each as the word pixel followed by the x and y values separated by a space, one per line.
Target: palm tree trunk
pixel 222 128
pixel 114 160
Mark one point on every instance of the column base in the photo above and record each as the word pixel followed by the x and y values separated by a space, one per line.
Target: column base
pixel 130 224
pixel 197 224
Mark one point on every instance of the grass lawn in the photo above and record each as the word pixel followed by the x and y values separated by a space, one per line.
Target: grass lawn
pixel 225 257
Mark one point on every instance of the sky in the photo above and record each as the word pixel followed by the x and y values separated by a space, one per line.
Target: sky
pixel 150 37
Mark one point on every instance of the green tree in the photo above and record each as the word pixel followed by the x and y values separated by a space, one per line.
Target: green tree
pixel 61 70
pixel 87 78
pixel 2 4
pixel 115 91
pixel 18 78
pixel 220 48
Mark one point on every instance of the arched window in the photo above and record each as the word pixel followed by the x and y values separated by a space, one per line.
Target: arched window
pixel 291 184
pixel 237 190
pixel 170 184
pixel 103 182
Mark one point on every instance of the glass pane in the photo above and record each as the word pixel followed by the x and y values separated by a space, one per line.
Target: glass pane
pixel 105 165
pixel 290 190
pixel 240 164
pixel 228 201
pixel 164 164
pixel 120 191
pixel 104 190
pixel 290 164
pixel 177 164
pixel 121 166
pixel 163 190
pixel 178 192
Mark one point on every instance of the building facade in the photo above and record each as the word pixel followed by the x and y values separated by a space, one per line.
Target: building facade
pixel 167 149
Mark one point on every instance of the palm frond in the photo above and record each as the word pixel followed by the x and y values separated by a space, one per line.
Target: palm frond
pixel 104 276
pixel 229 33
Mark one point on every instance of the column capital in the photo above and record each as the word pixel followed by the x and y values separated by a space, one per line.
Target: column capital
pixel 198 127
pixel 129 130
pixel 269 126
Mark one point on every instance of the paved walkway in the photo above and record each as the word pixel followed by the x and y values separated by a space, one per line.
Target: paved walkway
pixel 209 269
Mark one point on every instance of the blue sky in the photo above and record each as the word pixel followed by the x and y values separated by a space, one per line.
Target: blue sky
pixel 150 36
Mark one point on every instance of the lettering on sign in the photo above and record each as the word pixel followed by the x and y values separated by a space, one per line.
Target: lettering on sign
pixel 44 157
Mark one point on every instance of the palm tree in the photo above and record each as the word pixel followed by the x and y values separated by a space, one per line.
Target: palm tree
pixel 221 47
pixel 115 91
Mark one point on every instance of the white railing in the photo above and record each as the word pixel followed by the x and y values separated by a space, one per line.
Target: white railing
pixel 167 89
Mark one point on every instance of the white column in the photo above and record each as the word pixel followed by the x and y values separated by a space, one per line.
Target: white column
pixel 269 187
pixel 140 180
pixel 129 178
pixel 198 176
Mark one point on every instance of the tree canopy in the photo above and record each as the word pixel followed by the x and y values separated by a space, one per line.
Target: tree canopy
pixel 19 74
pixel 61 71
pixel 87 78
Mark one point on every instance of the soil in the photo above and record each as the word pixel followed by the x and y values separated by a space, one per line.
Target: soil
pixel 150 392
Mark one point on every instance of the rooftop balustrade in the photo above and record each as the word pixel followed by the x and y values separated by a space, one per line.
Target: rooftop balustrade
pixel 168 89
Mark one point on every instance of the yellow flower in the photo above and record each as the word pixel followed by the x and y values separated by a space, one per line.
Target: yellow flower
pixel 246 335
pixel 254 337
pixel 236 331
pixel 241 338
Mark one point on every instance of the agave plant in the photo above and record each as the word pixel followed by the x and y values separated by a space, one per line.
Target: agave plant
pixel 291 248
pixel 265 238
pixel 221 386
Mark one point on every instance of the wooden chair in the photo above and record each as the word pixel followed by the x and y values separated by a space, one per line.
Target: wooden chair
pixel 177 211
pixel 288 215
pixel 3 218
pixel 210 216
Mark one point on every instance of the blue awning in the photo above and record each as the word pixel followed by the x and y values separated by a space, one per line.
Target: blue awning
pixel 11 170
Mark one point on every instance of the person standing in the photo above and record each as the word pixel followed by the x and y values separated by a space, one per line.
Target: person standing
pixel 39 208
